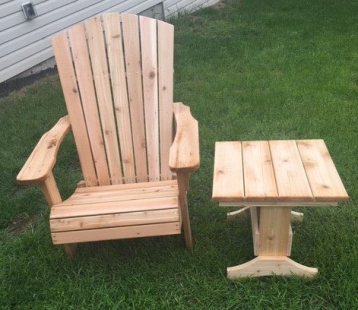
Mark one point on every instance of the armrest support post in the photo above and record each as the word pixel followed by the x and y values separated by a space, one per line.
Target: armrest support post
pixel 183 182
pixel 50 190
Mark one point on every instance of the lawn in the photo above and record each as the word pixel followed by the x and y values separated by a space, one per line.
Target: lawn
pixel 250 70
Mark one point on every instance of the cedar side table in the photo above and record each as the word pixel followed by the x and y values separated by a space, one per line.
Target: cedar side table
pixel 269 178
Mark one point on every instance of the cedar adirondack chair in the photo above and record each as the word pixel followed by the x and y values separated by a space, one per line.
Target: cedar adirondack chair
pixel 116 72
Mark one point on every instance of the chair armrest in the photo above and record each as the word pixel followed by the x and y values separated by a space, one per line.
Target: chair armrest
pixel 184 153
pixel 43 158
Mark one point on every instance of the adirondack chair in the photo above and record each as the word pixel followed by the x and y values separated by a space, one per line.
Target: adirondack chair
pixel 136 147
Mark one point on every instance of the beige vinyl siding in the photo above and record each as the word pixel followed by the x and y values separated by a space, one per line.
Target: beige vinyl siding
pixel 24 44
pixel 173 7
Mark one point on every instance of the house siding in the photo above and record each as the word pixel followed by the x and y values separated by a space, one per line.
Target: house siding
pixel 24 44
pixel 173 7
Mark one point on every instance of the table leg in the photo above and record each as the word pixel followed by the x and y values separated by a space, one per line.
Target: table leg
pixel 274 243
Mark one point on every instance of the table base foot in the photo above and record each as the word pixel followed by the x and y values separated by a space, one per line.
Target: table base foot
pixel 268 266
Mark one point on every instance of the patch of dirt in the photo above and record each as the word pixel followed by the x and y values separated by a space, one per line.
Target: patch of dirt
pixel 20 225
pixel 20 86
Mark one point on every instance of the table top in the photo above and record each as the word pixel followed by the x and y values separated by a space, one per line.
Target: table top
pixel 298 172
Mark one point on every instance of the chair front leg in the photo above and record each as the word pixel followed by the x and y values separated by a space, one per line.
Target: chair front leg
pixel 183 184
pixel 53 197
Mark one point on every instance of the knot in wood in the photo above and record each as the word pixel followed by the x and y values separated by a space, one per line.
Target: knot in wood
pixel 151 74
pixel 52 143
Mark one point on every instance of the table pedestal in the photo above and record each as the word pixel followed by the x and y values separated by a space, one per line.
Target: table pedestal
pixel 272 239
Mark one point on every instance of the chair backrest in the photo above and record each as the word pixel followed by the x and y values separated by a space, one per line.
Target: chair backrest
pixel 116 72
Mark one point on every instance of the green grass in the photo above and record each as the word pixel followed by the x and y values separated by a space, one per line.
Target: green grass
pixel 255 69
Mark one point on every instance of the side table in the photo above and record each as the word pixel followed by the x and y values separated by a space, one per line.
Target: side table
pixel 269 178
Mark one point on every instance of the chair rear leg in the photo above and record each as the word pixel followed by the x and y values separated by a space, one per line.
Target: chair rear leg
pixel 70 249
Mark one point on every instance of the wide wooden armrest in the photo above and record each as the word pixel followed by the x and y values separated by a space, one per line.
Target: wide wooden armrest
pixel 184 153
pixel 43 158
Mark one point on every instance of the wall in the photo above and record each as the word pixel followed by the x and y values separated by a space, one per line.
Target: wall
pixel 25 46
pixel 173 7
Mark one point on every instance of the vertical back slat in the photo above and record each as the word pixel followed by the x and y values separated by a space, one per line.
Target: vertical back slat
pixel 165 90
pixel 134 83
pixel 148 36
pixel 104 97
pixel 73 102
pixel 81 61
pixel 124 74
pixel 113 36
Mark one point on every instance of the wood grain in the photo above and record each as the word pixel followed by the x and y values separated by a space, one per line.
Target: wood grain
pixel 165 90
pixel 270 265
pixel 228 172
pixel 133 61
pixel 148 37
pixel 113 35
pixel 96 46
pixel 81 60
pixel 325 182
pixel 274 231
pixel 115 220
pixel 74 106
pixel 115 206
pixel 291 180
pixel 43 158
pixel 117 76
pixel 113 233
pixel 259 177
pixel 125 187
pixel 121 195
pixel 184 153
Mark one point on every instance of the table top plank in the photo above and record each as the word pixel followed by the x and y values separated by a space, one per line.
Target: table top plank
pixel 291 179
pixel 259 177
pixel 228 173
pixel 326 185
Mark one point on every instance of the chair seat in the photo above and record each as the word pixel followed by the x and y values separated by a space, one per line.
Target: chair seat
pixel 117 212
